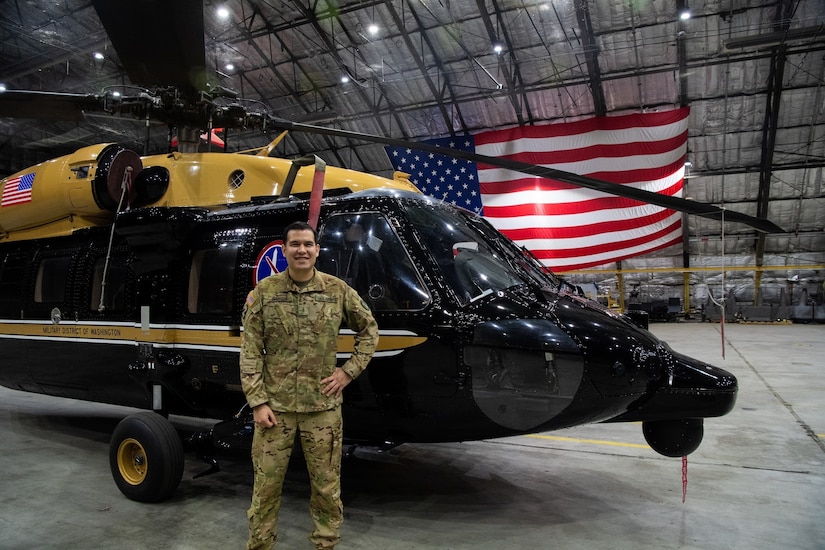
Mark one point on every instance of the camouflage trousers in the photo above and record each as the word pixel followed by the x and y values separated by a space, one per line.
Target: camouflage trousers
pixel 321 436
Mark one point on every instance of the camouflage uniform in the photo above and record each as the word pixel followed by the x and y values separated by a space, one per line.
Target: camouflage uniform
pixel 289 345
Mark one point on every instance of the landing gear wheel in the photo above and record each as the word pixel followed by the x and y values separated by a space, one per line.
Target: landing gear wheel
pixel 146 457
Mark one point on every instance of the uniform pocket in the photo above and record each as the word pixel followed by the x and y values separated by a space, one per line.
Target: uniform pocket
pixel 276 311
pixel 324 313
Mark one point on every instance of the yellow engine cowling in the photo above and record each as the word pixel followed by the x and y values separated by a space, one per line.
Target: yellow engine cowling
pixel 73 191
pixel 86 188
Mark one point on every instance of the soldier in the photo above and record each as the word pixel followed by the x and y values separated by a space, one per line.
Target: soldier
pixel 289 375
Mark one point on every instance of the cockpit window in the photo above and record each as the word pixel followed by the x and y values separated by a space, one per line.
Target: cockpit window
pixel 472 263
pixel 363 250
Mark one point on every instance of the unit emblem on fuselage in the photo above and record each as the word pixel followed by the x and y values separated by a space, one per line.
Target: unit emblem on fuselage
pixel 271 260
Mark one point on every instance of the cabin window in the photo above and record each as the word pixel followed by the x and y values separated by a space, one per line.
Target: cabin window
pixel 13 269
pixel 212 279
pixel 114 289
pixel 363 250
pixel 51 279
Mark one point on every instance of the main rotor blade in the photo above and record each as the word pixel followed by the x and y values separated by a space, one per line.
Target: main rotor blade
pixel 674 203
pixel 159 42
pixel 47 105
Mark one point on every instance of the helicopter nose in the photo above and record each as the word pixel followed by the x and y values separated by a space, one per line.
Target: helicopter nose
pixel 697 389
pixel 690 389
pixel 524 371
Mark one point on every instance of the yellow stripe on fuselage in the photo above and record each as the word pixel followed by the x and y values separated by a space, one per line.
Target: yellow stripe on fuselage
pixel 185 336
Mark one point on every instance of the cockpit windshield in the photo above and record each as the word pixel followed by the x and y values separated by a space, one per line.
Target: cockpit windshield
pixel 474 258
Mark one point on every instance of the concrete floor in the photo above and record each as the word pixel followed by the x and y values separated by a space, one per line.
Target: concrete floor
pixel 757 481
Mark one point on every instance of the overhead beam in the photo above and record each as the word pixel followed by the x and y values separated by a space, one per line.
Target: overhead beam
pixel 493 36
pixel 769 127
pixel 702 269
pixel 681 60
pixel 436 93
pixel 279 75
pixel 591 56
pixel 359 90
pixel 777 38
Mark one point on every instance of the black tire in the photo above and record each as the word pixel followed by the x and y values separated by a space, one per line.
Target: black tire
pixel 146 457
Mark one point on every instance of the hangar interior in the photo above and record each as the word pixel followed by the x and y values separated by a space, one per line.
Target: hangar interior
pixel 751 74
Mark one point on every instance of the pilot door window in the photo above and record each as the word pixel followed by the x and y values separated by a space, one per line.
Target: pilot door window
pixel 212 280
pixel 363 250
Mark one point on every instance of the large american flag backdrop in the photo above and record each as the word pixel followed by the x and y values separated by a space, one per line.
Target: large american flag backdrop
pixel 565 226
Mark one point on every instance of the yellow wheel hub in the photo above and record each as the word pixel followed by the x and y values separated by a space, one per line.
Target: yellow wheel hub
pixel 131 461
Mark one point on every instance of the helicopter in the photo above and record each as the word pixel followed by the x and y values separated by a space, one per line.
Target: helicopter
pixel 123 278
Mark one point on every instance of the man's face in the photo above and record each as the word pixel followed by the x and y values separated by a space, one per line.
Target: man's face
pixel 301 249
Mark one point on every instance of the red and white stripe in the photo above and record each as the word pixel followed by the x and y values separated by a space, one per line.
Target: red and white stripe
pixel 568 227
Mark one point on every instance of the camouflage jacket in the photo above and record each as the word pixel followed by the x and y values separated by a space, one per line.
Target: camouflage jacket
pixel 290 340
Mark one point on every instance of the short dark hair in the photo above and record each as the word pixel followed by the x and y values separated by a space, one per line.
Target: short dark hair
pixel 301 226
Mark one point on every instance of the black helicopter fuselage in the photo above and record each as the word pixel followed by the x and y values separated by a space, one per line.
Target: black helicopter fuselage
pixel 477 341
